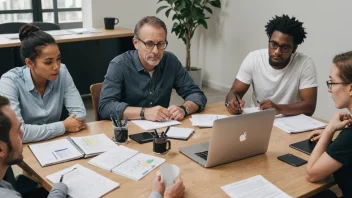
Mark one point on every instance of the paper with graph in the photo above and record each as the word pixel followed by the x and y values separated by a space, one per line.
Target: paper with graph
pixel 298 123
pixel 138 166
pixel 71 148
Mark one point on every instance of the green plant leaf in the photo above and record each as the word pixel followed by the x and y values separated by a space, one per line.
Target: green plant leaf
pixel 208 9
pixel 203 22
pixel 215 3
pixel 160 1
pixel 171 2
pixel 161 8
pixel 167 13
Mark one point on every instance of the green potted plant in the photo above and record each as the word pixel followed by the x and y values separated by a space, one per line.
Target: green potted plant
pixel 187 16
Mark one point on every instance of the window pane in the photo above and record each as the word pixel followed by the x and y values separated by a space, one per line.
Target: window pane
pixel 69 3
pixel 19 17
pixel 15 4
pixel 47 4
pixel 69 17
pixel 48 17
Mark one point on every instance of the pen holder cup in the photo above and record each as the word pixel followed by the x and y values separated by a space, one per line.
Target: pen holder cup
pixel 161 145
pixel 121 134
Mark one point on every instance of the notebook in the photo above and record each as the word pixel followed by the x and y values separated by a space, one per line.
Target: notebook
pixel 127 162
pixel 71 148
pixel 179 133
pixel 298 123
pixel 83 182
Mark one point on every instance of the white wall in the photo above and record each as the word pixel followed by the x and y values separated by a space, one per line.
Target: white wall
pixel 129 13
pixel 238 28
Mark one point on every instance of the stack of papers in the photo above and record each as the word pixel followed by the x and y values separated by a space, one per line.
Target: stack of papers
pixel 149 125
pixel 179 133
pixel 205 120
pixel 254 187
pixel 127 162
pixel 83 182
pixel 298 123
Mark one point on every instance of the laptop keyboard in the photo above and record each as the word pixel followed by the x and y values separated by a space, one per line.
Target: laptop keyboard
pixel 203 155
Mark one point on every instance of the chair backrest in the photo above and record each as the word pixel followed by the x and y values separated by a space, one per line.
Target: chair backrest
pixel 95 90
pixel 12 27
pixel 44 26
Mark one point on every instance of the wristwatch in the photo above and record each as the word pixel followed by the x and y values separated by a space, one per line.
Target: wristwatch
pixel 185 109
pixel 141 114
pixel 227 103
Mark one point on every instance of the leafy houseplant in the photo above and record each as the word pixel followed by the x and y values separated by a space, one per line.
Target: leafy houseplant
pixel 188 15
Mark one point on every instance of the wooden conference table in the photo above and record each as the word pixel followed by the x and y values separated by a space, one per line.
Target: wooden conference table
pixel 199 181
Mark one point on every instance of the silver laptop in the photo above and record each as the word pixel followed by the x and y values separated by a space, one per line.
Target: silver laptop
pixel 234 138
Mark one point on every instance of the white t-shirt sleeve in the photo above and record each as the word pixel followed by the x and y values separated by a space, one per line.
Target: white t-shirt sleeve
pixel 245 74
pixel 308 75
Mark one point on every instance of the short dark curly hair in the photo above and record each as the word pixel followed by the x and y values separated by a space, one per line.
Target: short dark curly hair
pixel 287 25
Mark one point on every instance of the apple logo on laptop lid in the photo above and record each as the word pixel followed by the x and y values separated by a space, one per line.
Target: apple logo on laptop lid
pixel 243 137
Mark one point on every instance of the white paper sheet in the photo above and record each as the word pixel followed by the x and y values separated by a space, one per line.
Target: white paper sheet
pixel 299 123
pixel 113 157
pixel 254 187
pixel 83 182
pixel 205 120
pixel 149 125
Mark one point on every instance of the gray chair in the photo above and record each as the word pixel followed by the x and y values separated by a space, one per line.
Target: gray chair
pixel 12 27
pixel 46 26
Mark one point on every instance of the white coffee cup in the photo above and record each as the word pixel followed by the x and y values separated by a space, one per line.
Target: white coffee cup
pixel 169 173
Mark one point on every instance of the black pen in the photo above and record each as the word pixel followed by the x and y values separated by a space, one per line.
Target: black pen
pixel 239 104
pixel 162 134
pixel 167 129
pixel 156 133
pixel 113 120
pixel 258 102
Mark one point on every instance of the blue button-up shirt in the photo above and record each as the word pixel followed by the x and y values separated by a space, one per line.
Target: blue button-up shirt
pixel 127 83
pixel 40 116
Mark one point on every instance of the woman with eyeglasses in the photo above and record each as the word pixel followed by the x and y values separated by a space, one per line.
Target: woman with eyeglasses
pixel 335 158
pixel 39 90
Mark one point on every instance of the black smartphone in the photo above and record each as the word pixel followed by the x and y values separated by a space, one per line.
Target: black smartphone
pixel 142 138
pixel 292 159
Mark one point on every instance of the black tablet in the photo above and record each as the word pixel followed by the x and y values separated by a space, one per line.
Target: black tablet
pixel 305 146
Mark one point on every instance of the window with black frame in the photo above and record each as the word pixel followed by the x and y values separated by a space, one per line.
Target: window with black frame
pixel 66 13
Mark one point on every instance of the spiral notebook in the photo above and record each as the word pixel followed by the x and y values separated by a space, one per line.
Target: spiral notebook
pixel 71 148
pixel 127 162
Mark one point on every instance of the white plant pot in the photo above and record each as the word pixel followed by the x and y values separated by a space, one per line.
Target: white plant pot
pixel 196 75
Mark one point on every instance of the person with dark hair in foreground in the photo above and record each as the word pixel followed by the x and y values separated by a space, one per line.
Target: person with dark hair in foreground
pixel 281 77
pixel 11 153
pixel 39 90
pixel 335 158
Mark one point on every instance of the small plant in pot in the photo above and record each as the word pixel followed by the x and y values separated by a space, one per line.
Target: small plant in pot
pixel 187 16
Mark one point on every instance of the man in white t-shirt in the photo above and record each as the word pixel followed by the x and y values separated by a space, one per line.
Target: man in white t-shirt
pixel 281 77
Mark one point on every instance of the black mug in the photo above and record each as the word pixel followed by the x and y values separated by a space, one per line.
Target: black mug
pixel 110 22
pixel 161 145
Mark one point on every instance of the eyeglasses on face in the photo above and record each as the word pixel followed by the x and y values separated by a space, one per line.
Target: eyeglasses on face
pixel 329 83
pixel 150 44
pixel 284 48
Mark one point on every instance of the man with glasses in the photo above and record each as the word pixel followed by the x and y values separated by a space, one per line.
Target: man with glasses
pixel 138 83
pixel 282 78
